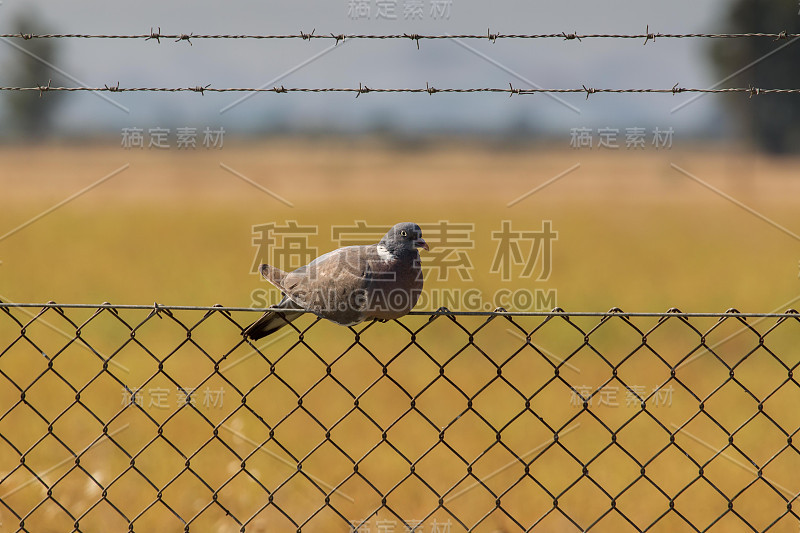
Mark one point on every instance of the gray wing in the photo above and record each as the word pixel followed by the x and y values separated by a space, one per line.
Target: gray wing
pixel 333 286
pixel 272 321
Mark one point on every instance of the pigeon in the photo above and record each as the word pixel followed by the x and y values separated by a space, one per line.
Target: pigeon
pixel 351 284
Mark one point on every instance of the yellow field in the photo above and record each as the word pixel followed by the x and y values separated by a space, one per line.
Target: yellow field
pixel 175 227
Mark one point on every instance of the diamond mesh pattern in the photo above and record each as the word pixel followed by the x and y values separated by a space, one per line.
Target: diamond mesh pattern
pixel 165 419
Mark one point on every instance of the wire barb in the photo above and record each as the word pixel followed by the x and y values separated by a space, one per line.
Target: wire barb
pixel 650 36
pixel 754 91
pixel 155 35
pixel 200 89
pixel 44 88
pixel 413 37
pixel 362 90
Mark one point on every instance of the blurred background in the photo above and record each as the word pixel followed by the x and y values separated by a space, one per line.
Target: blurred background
pixel 611 63
pixel 674 200
pixel 643 202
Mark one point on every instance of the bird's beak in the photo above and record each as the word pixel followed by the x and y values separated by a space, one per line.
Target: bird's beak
pixel 420 243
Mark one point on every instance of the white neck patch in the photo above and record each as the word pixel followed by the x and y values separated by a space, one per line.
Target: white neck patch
pixel 384 253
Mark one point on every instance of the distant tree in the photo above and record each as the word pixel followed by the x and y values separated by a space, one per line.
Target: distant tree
pixel 771 121
pixel 30 115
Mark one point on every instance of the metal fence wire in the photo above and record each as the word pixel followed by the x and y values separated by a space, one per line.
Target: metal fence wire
pixel 155 36
pixel 164 418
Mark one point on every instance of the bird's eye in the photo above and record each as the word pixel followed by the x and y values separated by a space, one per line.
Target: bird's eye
pixel 403 233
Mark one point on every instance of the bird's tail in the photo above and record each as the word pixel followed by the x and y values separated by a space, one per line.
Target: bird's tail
pixel 272 321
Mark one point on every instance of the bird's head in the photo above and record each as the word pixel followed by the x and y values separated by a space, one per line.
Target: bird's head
pixel 405 235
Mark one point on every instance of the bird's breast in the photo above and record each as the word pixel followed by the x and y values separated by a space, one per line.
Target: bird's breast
pixel 395 288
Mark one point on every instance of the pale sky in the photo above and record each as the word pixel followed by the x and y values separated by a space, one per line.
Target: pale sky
pixel 392 63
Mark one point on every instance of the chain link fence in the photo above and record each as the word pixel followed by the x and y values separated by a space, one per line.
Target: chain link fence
pixel 163 418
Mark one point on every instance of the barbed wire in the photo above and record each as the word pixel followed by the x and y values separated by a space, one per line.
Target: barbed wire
pixel 429 89
pixel 156 35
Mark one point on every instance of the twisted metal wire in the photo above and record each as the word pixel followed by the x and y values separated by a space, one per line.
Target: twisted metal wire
pixel 363 89
pixel 492 37
pixel 557 312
